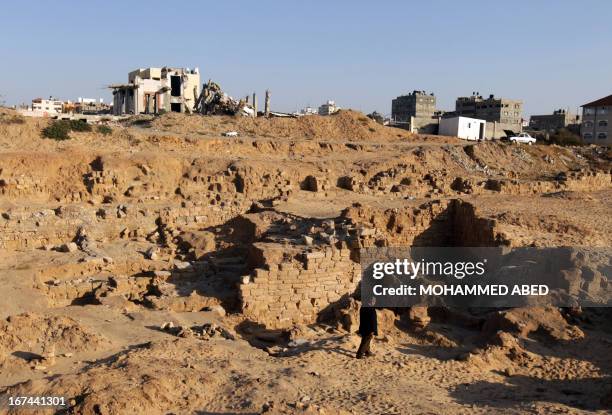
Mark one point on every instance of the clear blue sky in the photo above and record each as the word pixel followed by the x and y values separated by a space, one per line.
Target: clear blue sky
pixel 550 54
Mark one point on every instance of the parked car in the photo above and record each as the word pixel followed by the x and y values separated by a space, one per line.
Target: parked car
pixel 522 138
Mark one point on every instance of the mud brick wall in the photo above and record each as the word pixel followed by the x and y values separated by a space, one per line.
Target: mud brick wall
pixel 31 228
pixel 295 292
pixel 426 225
pixel 471 230
pixel 19 186
pixel 201 214
pixel 24 228
pixel 588 180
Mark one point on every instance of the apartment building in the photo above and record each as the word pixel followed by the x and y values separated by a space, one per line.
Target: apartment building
pixel 596 117
pixel 417 111
pixel 51 106
pixel 417 104
pixel 552 122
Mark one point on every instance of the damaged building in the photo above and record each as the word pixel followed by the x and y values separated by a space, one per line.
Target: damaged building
pixel 151 90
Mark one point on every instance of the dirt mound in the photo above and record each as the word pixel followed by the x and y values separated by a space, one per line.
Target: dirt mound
pixel 35 334
pixel 178 376
pixel 547 323
pixel 13 128
pixel 345 125
pixel 154 384
pixel 152 378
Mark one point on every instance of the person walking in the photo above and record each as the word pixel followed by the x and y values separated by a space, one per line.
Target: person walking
pixel 368 328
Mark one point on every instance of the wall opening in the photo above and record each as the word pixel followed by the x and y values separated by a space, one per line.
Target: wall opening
pixel 175 107
pixel 175 86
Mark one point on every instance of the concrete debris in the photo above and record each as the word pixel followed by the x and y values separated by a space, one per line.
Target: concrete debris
pixel 282 114
pixel 230 134
pixel 213 101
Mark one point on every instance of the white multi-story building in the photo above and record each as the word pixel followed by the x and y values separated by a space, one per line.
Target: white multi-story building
pixel 153 89
pixel 328 108
pixel 49 106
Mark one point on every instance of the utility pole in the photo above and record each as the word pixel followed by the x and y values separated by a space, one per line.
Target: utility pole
pixel 255 104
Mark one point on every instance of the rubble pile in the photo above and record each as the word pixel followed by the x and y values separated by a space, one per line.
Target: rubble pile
pixel 276 133
pixel 41 338
pixel 213 101
pixel 206 331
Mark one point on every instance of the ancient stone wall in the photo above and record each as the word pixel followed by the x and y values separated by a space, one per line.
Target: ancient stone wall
pixel 30 229
pixel 297 291
pixel 426 225
pixel 288 287
pixel 469 229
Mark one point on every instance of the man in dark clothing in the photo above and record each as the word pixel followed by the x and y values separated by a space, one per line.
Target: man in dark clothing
pixel 368 328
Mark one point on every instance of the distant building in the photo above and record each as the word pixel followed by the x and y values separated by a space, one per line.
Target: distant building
pixel 501 114
pixel 555 121
pixel 49 106
pixel 463 127
pixel 595 126
pixel 82 100
pixel 417 104
pixel 153 89
pixel 308 111
pixel 90 106
pixel 328 108
pixel 416 111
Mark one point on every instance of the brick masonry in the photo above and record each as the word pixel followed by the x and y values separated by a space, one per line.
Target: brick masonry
pixel 297 291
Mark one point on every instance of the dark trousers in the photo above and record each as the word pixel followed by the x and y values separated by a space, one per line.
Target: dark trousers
pixel 364 346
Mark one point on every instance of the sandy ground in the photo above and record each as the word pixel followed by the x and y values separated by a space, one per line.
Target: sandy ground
pixel 118 354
